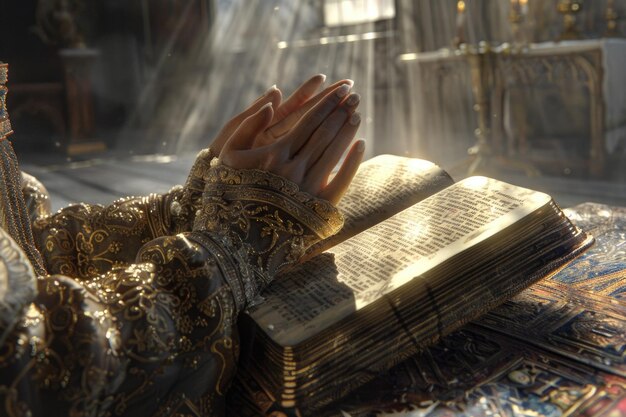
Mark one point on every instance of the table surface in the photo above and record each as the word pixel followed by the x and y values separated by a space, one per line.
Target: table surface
pixel 557 349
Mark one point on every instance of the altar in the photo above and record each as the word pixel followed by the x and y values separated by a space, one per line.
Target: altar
pixel 554 106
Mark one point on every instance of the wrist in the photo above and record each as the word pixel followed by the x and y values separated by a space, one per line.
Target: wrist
pixel 263 218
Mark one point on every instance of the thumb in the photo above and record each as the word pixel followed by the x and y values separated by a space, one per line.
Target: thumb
pixel 243 137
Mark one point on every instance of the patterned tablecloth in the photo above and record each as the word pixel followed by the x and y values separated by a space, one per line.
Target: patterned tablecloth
pixel 556 350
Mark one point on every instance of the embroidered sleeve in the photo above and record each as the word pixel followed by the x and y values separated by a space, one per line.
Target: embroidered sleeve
pixel 155 338
pixel 86 240
pixel 158 337
pixel 264 220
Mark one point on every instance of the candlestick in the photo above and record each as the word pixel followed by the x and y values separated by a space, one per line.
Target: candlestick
pixel 460 23
pixel 523 7
pixel 569 9
pixel 611 20
pixel 460 6
pixel 516 17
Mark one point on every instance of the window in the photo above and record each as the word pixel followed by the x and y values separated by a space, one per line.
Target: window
pixel 350 12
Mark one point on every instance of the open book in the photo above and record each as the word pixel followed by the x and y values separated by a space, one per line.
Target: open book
pixel 418 257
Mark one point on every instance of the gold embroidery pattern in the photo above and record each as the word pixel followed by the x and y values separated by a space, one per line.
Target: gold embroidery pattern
pixel 262 219
pixel 146 325
pixel 189 200
pixel 316 214
pixel 85 241
pixel 58 350
pixel 230 261
pixel 165 325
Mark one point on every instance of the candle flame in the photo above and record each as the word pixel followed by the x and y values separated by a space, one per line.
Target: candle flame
pixel 523 2
pixel 460 6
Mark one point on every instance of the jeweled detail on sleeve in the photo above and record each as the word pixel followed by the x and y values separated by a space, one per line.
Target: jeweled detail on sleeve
pixel 264 220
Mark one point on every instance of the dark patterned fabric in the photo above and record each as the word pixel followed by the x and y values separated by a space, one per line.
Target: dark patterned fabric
pixel 131 309
pixel 146 323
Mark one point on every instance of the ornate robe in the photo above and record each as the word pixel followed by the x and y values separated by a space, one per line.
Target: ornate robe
pixel 135 311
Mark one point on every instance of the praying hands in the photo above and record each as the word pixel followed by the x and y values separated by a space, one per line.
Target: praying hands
pixel 141 297
pixel 302 139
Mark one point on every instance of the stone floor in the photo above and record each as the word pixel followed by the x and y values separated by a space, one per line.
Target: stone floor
pixel 104 180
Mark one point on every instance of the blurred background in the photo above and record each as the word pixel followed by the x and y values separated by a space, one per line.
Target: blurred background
pixel 115 97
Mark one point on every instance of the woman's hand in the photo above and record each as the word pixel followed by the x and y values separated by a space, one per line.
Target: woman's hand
pixel 296 106
pixel 303 149
pixel 272 95
pixel 286 113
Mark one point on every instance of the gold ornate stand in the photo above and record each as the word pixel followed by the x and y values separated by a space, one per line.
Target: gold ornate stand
pixel 486 87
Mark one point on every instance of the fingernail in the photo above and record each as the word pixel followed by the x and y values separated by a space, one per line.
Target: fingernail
pixel 343 90
pixel 350 82
pixel 353 99
pixel 265 106
pixel 360 146
pixel 355 119
pixel 323 77
pixel 271 90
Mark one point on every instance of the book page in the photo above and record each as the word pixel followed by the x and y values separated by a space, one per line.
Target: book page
pixel 383 186
pixel 359 271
